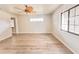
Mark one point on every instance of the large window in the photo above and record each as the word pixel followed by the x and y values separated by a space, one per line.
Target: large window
pixel 70 20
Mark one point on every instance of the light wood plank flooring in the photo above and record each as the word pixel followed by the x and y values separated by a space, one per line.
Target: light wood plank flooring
pixel 33 44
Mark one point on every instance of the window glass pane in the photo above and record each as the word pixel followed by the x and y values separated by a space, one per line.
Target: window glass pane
pixel 64 27
pixel 77 29
pixel 71 28
pixel 77 10
pixel 71 21
pixel 72 12
pixel 65 18
pixel 77 20
pixel 65 21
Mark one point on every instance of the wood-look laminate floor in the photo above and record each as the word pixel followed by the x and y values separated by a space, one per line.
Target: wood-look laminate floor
pixel 33 44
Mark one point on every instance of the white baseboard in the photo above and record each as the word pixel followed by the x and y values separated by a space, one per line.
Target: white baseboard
pixel 65 44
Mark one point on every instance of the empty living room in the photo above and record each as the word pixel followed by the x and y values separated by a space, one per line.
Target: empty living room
pixel 39 28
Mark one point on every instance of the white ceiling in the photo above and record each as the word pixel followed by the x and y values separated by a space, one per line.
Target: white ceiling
pixel 37 8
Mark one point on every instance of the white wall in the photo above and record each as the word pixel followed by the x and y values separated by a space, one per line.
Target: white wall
pixel 5 32
pixel 25 26
pixel 70 40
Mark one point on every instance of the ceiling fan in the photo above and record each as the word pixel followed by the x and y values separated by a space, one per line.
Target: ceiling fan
pixel 27 9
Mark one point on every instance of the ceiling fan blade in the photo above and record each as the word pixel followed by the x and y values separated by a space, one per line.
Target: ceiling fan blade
pixel 18 9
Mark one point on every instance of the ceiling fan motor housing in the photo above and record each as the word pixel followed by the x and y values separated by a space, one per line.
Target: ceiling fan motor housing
pixel 29 9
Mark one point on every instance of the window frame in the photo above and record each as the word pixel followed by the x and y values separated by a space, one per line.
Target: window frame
pixel 69 20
